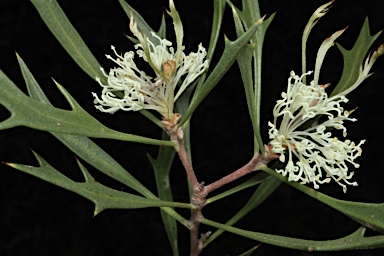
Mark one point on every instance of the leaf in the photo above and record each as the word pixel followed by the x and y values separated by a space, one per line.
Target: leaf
pixel 58 23
pixel 91 152
pixel 161 167
pixel 34 114
pixel 228 57
pixel 218 12
pixel 163 28
pixel 82 146
pixel 103 197
pixel 267 187
pixel 250 251
pixel 353 241
pixel 354 58
pixel 69 38
pixel 370 215
pixel 251 78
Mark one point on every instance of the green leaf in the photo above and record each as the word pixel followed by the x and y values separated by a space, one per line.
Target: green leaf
pixel 103 197
pixel 82 146
pixel 369 215
pixel 69 38
pixel 218 12
pixel 91 152
pixel 267 187
pixel 34 114
pixel 161 167
pixel 152 118
pixel 163 28
pixel 66 34
pixel 250 251
pixel 353 241
pixel 230 53
pixel 251 78
pixel 354 58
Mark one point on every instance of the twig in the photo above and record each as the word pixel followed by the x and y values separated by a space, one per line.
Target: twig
pixel 200 192
pixel 253 165
pixel 176 134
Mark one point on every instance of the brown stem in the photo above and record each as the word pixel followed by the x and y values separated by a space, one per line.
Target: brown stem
pixel 186 163
pixel 252 165
pixel 176 134
pixel 198 196
pixel 198 201
pixel 200 191
pixel 194 231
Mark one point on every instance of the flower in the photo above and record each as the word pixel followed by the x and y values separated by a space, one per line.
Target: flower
pixel 174 71
pixel 309 116
pixel 320 155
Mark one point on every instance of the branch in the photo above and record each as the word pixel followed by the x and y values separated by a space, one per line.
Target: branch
pixel 254 164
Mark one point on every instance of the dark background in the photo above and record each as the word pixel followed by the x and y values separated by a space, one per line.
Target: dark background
pixel 37 218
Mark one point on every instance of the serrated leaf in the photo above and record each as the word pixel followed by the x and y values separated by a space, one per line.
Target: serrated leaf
pixel 252 52
pixel 69 38
pixel 354 241
pixel 82 146
pixel 66 34
pixel 161 167
pixel 103 197
pixel 354 58
pixel 34 114
pixel 370 215
pixel 91 152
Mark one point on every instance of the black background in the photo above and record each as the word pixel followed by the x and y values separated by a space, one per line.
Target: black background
pixel 37 218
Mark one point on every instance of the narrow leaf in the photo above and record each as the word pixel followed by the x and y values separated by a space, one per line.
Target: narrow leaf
pixel 230 53
pixel 250 251
pixel 103 197
pixel 34 114
pixel 353 241
pixel 252 77
pixel 266 188
pixel 90 151
pixel 66 34
pixel 218 12
pixel 161 167
pixel 354 58
pixel 369 215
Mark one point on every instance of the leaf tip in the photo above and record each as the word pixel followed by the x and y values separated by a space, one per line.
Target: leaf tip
pixel 9 164
pixel 98 210
pixel 17 56
pixel 56 83
pixel 87 176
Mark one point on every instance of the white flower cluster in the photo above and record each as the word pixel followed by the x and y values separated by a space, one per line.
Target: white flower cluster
pixel 130 89
pixel 320 156
pixel 308 116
